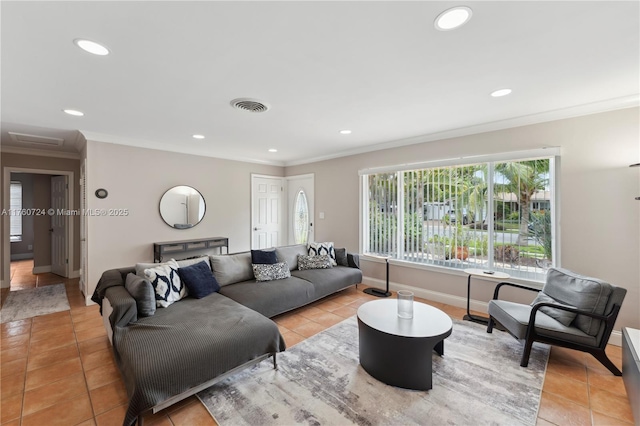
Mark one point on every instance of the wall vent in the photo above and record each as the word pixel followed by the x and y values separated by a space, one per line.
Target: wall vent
pixel 250 105
pixel 35 140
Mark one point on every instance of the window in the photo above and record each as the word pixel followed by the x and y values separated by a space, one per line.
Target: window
pixel 15 205
pixel 301 219
pixel 497 215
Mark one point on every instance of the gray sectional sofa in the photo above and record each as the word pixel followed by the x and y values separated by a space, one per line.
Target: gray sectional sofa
pixel 194 343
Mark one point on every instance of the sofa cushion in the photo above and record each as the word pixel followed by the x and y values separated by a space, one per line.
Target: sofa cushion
pixel 232 268
pixel 322 261
pixel 328 281
pixel 270 272
pixel 585 293
pixel 341 257
pixel 564 317
pixel 142 291
pixel 263 257
pixel 317 249
pixel 290 254
pixel 199 280
pixel 166 283
pixel 271 298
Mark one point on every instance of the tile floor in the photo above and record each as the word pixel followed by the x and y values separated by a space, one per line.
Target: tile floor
pixel 58 369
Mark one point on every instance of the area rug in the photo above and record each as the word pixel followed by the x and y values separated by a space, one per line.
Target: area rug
pixel 33 302
pixel 319 381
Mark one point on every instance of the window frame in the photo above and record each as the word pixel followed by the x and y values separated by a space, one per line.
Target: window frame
pixel 551 153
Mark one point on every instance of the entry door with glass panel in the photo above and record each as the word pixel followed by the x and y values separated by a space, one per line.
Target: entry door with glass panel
pixel 300 208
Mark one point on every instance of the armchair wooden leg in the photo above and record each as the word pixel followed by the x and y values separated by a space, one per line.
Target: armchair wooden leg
pixel 490 324
pixel 525 354
pixel 601 356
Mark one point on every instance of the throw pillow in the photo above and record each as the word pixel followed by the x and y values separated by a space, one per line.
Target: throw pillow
pixel 166 283
pixel 270 272
pixel 263 257
pixel 316 249
pixel 341 257
pixel 199 280
pixel 142 291
pixel 563 317
pixel 322 261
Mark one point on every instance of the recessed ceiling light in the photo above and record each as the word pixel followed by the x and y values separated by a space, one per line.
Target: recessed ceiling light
pixel 501 92
pixel 198 136
pixel 345 132
pixel 453 18
pixel 273 150
pixel 91 47
pixel 74 112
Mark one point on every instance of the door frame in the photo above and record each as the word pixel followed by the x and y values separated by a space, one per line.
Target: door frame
pixel 6 261
pixel 283 204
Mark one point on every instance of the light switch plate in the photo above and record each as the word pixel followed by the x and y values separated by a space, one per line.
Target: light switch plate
pixel 321 214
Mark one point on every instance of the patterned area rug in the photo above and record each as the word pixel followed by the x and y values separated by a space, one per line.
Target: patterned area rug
pixel 34 302
pixel 319 381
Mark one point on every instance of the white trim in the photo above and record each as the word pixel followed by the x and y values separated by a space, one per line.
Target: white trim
pixel 41 269
pixel 39 152
pixel 544 152
pixel 631 101
pixel 7 170
pixel 74 274
pixel 2 284
pixel 457 301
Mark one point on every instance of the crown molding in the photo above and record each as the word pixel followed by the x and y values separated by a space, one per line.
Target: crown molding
pixel 39 152
pixel 158 146
pixel 543 117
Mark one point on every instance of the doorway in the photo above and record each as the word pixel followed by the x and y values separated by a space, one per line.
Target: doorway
pixel 266 211
pixel 39 240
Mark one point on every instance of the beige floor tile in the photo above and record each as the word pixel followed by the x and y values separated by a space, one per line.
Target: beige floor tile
pixel 52 342
pixel 47 333
pixel 53 356
pixel 291 338
pixel 561 411
pixel 345 312
pixel 309 312
pixel 101 376
pixel 309 329
pixel 600 419
pixel 328 319
pixel 573 390
pixel 52 373
pixel 11 385
pixel 109 396
pixel 88 322
pixel 568 369
pixel 12 342
pixel 17 366
pixel 292 321
pixel 611 404
pixel 14 353
pixel 90 333
pixel 10 408
pixel 94 345
pixel 97 359
pixel 192 414
pixel 604 379
pixel 115 416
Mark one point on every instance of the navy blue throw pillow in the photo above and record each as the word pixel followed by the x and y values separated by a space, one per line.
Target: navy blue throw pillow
pixel 264 257
pixel 199 280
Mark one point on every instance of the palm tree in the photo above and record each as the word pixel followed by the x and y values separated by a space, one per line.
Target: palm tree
pixel 524 178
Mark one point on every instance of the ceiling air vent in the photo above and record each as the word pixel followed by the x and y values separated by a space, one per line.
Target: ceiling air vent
pixel 35 140
pixel 250 105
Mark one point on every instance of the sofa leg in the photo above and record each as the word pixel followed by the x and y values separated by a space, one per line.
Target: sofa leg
pixel 604 360
pixel 275 363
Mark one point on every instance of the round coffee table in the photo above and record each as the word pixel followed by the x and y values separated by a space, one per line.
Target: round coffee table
pixel 397 351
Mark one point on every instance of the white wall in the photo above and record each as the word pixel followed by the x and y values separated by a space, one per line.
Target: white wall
pixel 600 220
pixel 136 178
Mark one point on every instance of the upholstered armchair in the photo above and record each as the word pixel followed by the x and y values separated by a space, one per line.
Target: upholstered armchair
pixel 572 311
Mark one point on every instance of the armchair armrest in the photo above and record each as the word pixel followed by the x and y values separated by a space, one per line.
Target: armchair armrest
pixel 124 306
pixel 500 285
pixel 577 311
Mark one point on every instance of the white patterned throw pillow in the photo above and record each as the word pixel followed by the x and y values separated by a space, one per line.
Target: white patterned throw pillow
pixel 271 271
pixel 166 283
pixel 322 261
pixel 318 249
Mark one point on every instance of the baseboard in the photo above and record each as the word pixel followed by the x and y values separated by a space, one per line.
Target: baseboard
pixel 22 256
pixel 75 274
pixel 460 302
pixel 2 284
pixel 41 269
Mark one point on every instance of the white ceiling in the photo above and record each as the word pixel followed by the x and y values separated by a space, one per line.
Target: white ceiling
pixel 379 69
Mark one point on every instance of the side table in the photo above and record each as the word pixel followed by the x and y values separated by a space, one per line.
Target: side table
pixel 480 273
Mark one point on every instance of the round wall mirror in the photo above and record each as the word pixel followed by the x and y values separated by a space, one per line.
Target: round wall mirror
pixel 182 207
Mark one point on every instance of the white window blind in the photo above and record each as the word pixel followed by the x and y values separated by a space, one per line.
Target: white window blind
pixel 15 204
pixel 494 215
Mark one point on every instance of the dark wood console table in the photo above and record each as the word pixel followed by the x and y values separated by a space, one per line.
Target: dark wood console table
pixel 185 246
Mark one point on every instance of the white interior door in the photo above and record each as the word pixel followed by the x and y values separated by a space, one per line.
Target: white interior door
pixel 300 209
pixel 59 259
pixel 266 211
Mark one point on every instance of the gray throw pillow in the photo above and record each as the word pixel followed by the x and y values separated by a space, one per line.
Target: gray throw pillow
pixel 585 293
pixel 563 317
pixel 232 268
pixel 341 257
pixel 314 262
pixel 289 254
pixel 271 271
pixel 142 291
